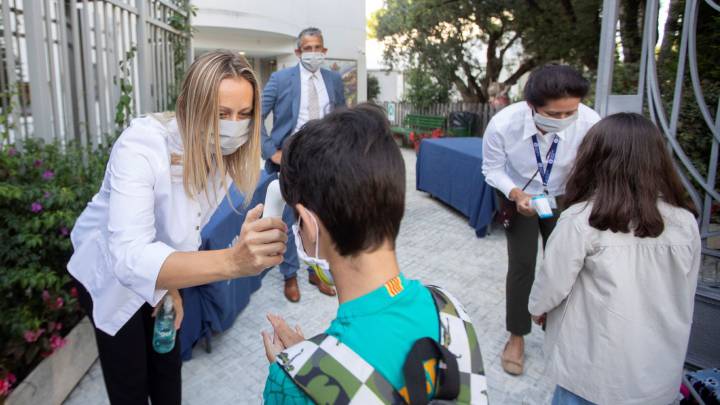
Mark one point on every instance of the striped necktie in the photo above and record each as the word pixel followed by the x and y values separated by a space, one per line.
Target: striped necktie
pixel 313 99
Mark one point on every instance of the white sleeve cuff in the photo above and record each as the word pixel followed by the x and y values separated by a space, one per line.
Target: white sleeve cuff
pixel 505 185
pixel 501 181
pixel 148 268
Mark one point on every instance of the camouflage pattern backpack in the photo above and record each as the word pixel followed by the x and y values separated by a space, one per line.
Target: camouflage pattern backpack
pixel 329 372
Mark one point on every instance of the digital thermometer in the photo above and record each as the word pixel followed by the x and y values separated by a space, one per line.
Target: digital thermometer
pixel 274 203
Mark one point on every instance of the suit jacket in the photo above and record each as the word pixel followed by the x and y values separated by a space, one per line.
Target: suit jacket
pixel 281 96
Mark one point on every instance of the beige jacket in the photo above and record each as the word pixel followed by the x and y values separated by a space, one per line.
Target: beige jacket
pixel 619 307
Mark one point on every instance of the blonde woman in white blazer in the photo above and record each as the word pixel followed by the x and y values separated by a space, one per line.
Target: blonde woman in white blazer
pixel 618 281
pixel 138 238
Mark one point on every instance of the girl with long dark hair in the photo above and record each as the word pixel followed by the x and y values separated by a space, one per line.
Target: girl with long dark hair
pixel 618 281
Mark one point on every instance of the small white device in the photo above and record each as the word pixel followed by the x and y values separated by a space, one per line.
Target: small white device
pixel 274 203
pixel 542 206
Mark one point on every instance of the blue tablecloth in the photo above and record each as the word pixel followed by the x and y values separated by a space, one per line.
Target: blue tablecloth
pixel 214 307
pixel 450 169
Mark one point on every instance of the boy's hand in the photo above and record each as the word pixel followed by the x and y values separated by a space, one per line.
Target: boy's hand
pixel 288 336
pixel 283 336
pixel 273 346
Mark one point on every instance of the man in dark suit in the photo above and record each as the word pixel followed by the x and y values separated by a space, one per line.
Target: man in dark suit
pixel 295 96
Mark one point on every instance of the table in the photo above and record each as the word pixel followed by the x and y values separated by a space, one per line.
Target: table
pixel 450 169
pixel 214 307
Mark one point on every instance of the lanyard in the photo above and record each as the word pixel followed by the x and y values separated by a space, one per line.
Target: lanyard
pixel 545 171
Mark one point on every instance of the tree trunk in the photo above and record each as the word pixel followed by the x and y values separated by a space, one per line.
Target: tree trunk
pixel 524 67
pixel 671 32
pixel 631 21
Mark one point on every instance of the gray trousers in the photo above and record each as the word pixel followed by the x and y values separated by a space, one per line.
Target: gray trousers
pixel 522 246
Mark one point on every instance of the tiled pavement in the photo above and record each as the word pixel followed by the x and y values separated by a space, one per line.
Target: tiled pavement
pixel 436 245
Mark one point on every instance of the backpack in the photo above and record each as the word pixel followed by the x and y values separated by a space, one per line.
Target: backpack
pixel 329 372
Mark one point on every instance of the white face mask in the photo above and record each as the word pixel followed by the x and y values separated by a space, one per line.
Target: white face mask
pixel 312 60
pixel 553 125
pixel 320 266
pixel 233 135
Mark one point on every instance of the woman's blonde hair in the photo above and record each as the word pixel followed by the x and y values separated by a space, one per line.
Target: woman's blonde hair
pixel 197 118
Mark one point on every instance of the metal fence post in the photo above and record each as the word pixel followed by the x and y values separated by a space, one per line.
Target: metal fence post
pixel 10 66
pixel 190 52
pixel 37 72
pixel 144 72
pixel 607 56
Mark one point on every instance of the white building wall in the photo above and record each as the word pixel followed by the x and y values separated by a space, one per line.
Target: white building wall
pixel 392 85
pixel 268 28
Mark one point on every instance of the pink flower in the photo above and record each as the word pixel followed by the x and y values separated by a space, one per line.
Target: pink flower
pixel 36 207
pixel 31 336
pixel 64 231
pixel 56 342
pixel 48 175
pixel 4 387
pixel 6 384
pixel 58 326
pixel 38 163
pixel 45 296
pixel 74 292
pixel 59 302
pixel 12 151
pixel 47 194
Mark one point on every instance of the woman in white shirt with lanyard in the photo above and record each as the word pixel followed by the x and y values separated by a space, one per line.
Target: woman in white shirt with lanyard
pixel 528 150
pixel 138 238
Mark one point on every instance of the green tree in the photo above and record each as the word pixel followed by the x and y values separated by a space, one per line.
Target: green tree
pixel 444 36
pixel 373 88
pixel 424 89
pixel 692 131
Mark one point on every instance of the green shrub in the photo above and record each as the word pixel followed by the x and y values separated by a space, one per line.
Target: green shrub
pixel 42 192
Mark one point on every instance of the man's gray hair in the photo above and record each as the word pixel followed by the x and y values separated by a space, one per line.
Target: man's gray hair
pixel 308 32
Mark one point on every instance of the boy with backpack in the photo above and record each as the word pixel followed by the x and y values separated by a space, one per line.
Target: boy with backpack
pixel 394 340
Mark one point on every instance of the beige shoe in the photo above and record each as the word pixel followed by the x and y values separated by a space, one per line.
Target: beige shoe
pixel 511 366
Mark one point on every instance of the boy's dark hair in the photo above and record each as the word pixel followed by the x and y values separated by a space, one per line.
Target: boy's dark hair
pixel 347 169
pixel 552 82
pixel 624 167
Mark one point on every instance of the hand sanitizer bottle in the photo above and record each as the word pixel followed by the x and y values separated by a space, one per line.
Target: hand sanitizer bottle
pixel 164 336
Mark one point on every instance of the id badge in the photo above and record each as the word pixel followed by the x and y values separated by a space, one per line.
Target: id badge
pixel 541 203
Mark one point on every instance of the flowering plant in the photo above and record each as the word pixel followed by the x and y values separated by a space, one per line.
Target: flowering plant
pixel 417 137
pixel 42 191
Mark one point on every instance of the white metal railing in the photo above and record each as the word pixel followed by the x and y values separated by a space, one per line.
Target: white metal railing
pixel 700 187
pixel 62 63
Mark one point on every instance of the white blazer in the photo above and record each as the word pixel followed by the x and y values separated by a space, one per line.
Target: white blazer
pixel 138 218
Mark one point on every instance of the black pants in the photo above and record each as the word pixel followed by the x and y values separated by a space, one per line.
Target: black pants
pixel 132 369
pixel 522 246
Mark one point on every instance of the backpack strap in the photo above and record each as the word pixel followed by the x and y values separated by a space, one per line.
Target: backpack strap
pixel 330 372
pixel 457 334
